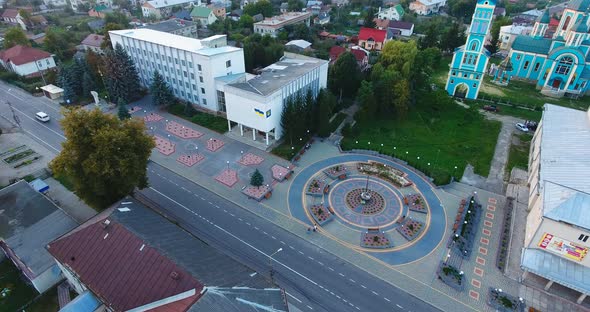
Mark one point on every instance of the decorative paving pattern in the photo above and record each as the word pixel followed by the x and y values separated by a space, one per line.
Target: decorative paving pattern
pixel 478 271
pixel 134 109
pixel 250 159
pixel 320 214
pixel 152 117
pixel 474 294
pixel 410 229
pixel 486 232
pixel 227 177
pixel 190 160
pixel 480 260
pixel 484 241
pixel 491 208
pixel 214 144
pixel 483 251
pixel 373 206
pixel 490 215
pixel 476 283
pixel 280 173
pixel 256 192
pixel 164 146
pixel 353 214
pixel 487 223
pixel 492 200
pixel 182 131
pixel 375 239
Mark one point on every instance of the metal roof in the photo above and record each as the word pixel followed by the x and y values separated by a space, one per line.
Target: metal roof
pixel 241 299
pixel 530 44
pixel 567 205
pixel 558 269
pixel 85 302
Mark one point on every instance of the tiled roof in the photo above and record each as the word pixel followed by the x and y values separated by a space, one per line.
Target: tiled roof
pixel 335 52
pixel 400 25
pixel 371 33
pixel 381 23
pixel 10 13
pixel 530 44
pixel 20 54
pixel 120 268
pixel 93 40
pixel 358 54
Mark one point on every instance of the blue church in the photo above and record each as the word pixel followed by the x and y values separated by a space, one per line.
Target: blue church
pixel 470 60
pixel 560 65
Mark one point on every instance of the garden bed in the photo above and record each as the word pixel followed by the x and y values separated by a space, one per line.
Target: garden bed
pixel 505 237
pixel 375 239
pixel 503 302
pixel 316 188
pixel 18 156
pixel 451 276
pixel 415 202
pixel 12 150
pixel 257 192
pixel 336 172
pixel 280 173
pixel 384 172
pixel 320 214
pixel 469 221
pixel 410 228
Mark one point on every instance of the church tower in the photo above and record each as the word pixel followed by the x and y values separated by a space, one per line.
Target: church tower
pixel 541 25
pixel 470 61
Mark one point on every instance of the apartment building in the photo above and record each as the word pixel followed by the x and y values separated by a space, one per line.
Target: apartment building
pixel 163 8
pixel 176 26
pixel 273 25
pixel 190 66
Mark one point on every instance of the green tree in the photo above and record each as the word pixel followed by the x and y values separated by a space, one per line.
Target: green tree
pixel 103 157
pixel 56 41
pixel 345 75
pixel 161 93
pixel 121 75
pixel 106 43
pixel 369 18
pixel 495 33
pixel 15 36
pixel 117 18
pixel 123 112
pixel 246 21
pixel 25 15
pixel 88 83
pixel 453 38
pixel 366 99
pixel 462 9
pixel 263 7
pixel 295 5
pixel 189 109
pixel 256 179
pixel 303 32
pixel 431 37
pixel 289 119
pixel 324 113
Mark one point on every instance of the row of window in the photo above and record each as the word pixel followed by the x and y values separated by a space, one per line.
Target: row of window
pixel 563 66
pixel 454 73
pixel 470 59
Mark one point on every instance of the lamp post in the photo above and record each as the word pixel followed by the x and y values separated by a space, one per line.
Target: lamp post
pixel 228 165
pixel 270 259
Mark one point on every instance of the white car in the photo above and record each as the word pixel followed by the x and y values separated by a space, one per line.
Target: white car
pixel 41 116
pixel 522 127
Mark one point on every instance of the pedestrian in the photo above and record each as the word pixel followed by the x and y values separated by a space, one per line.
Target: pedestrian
pixel 308 229
pixel 315 228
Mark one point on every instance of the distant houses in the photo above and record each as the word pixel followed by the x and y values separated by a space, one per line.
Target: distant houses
pixel 427 7
pixel 372 39
pixel 26 61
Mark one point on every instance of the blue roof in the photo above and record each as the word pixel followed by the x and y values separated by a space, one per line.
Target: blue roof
pixel 579 5
pixel 553 267
pixel 581 26
pixel 545 18
pixel 530 44
pixel 86 302
pixel 574 210
pixel 585 73
pixel 183 14
pixel 39 185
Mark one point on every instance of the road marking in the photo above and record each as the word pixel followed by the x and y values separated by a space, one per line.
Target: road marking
pixel 216 206
pixel 264 233
pixel 375 293
pixel 38 102
pixel 333 294
pixel 281 241
pixel 386 299
pixel 310 258
pixel 399 306
pixel 338 297
pixel 322 287
pixel 257 229
pixel 224 210
pixel 341 274
pixel 331 269
pixel 357 308
pixel 240 219
pixel 345 300
pixel 210 203
pixel 253 274
pixel 184 189
pixel 320 263
pixel 42 141
pixel 310 307
pixel 288 294
pixel 202 198
pixel 248 223
pixel 291 247
pixel 231 214
pixel 350 279
pixel 301 253
pixel 363 286
pixel 40 124
pixel 273 237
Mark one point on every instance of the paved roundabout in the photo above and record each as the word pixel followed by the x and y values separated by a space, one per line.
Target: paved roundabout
pixel 368 203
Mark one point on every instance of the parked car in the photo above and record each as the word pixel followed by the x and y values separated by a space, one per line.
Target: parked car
pixel 522 127
pixel 41 116
pixel 491 108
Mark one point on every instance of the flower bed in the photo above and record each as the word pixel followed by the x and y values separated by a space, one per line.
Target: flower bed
pixel 374 206
pixel 280 173
pixel 410 229
pixel 469 221
pixel 250 159
pixel 227 177
pixel 12 150
pixel 416 203
pixel 257 192
pixel 503 302
pixel 387 173
pixel 375 239
pixel 27 162
pixel 165 146
pixel 181 131
pixel 316 188
pixel 451 276
pixel 152 117
pixel 320 214
pixel 505 236
pixel 336 172
pixel 18 156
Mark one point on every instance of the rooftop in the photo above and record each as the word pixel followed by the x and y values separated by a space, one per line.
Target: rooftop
pixel 10 13
pixel 529 44
pixel 276 75
pixel 200 11
pixel 371 33
pixel 579 5
pixel 553 267
pixel 175 41
pixel 93 40
pixel 170 25
pixel 299 43
pixel 400 25
pixel 284 18
pixel 166 3
pixel 24 214
pixel 19 55
pixel 240 299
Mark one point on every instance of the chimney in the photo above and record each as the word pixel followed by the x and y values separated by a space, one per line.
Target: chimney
pixel 106 223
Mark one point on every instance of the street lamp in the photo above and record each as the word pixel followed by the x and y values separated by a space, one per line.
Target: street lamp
pixel 270 259
pixel 228 165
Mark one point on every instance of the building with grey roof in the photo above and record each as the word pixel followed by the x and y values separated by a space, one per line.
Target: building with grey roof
pixel 557 234
pixel 28 221
pixel 176 26
pixel 256 104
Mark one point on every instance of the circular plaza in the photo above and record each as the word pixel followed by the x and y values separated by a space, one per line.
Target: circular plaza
pixel 370 204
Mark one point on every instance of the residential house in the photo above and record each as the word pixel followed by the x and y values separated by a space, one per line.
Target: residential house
pixel 218 10
pixel 298 45
pixel 29 221
pixel 172 270
pixel 92 42
pixel 273 25
pixel 381 23
pixel 284 8
pixel 499 12
pixel 203 15
pixel 243 3
pixel 361 55
pixel 55 3
pixel 100 11
pixel 340 2
pixel 258 17
pixel 322 18
pixel 96 25
pixel 397 28
pixel 236 14
pixel 372 39
pixel 183 15
pixel 509 32
pixel 163 8
pixel 26 61
pixel 390 3
pixel 557 226
pixel 176 26
pixel 427 7
pixel 38 38
pixel 393 13
pixel 12 17
pixel 335 53
pixel 314 7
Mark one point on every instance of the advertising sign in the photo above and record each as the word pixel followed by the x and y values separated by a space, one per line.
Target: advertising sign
pixel 563 247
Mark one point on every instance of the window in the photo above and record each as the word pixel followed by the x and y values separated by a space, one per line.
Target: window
pixel 537 66
pixel 185 73
pixel 159 67
pixel 203 90
pixel 182 92
pixel 175 60
pixel 204 102
pixel 453 73
pixel 178 71
pixel 157 55
pixel 190 64
pixel 183 62
pixel 173 81
pixel 583 237
pixel 192 76
pixel 566 23
pixel 473 45
pixel 526 65
pixel 194 86
pixel 201 79
pixel 228 64
pixel 475 85
pixel 170 59
pixel 564 66
pixel 221 100
pixel 518 57
pixel 186 84
pixel 144 52
pixel 199 67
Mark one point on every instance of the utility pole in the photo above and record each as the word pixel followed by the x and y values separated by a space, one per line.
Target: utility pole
pixel 14 115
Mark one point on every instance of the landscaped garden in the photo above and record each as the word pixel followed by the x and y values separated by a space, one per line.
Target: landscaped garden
pixel 215 123
pixel 385 172
pixel 316 188
pixel 373 206
pixel 320 214
pixel 437 137
pixel 505 236
pixel 451 276
pixel 503 302
pixel 415 202
pixel 410 228
pixel 463 241
pixel 20 156
pixel 336 172
pixel 375 239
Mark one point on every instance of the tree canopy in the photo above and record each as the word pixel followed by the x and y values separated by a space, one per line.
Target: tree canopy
pixel 263 7
pixel 345 75
pixel 104 158
pixel 15 36
pixel 161 93
pixel 256 179
pixel 261 51
pixel 122 79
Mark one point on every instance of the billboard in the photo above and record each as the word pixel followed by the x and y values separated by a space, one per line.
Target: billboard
pixel 563 247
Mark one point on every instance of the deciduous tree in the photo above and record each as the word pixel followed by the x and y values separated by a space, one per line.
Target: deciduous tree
pixel 104 158
pixel 345 75
pixel 324 113
pixel 15 36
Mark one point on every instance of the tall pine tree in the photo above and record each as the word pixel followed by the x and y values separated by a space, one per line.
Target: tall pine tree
pixel 161 93
pixel 288 119
pixel 123 111
pixel 324 116
pixel 122 78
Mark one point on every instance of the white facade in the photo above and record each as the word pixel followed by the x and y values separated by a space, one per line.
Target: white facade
pixel 258 103
pixel 510 32
pixel 189 65
pixel 30 68
pixel 427 7
pixel 272 26
pixel 390 13
pixel 163 8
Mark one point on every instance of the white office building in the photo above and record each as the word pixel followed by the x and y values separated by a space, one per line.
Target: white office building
pixel 256 104
pixel 190 66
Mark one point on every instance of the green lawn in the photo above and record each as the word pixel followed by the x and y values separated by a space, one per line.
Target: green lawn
pixel 46 303
pixel 215 123
pixel 525 114
pixel 442 134
pixel 19 292
pixel 519 153
pixel 286 150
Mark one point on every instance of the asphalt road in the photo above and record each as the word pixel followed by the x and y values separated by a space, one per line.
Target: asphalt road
pixel 314 279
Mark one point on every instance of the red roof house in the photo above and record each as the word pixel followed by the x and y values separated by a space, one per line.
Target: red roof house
pixel 21 60
pixel 361 57
pixel 372 39
pixel 335 52
pixel 93 42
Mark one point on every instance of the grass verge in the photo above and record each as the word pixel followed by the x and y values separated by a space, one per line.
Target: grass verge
pixel 518 155
pixel 19 292
pixel 215 123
